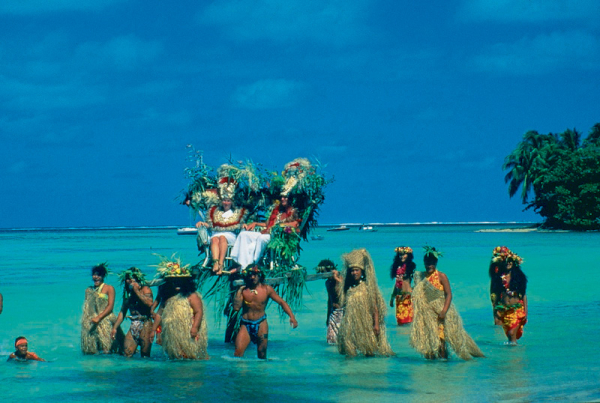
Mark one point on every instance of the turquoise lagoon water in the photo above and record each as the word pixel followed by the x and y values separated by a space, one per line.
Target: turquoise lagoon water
pixel 44 273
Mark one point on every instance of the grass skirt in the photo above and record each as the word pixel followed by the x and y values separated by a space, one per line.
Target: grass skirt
pixel 428 302
pixel 356 334
pixel 177 319
pixel 96 339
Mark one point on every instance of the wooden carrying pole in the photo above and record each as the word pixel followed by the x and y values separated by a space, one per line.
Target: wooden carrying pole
pixel 279 280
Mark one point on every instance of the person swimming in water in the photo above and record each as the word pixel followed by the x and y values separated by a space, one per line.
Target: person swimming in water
pixel 21 353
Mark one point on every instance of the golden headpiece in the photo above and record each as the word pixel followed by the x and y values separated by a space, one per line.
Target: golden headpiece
pixel 357 258
pixel 294 172
pixel 226 181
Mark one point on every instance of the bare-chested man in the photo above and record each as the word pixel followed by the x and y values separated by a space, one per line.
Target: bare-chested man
pixel 252 298
pixel 137 299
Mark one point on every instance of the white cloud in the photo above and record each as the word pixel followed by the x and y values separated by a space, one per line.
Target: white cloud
pixel 124 52
pixel 542 54
pixel 333 22
pixel 269 94
pixel 528 10
pixel 23 7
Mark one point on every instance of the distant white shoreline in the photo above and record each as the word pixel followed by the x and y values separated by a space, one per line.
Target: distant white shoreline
pixel 374 224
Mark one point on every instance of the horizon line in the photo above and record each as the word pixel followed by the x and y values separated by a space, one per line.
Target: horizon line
pixel 347 224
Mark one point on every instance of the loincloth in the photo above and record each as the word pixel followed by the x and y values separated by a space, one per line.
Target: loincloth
pixel 252 327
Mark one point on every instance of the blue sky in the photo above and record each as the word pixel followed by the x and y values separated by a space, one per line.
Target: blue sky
pixel 412 105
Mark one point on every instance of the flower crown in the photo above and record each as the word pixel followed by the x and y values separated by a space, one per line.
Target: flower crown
pixel 403 250
pixel 134 273
pixel 251 269
pixel 513 257
pixel 172 268
pixel 502 253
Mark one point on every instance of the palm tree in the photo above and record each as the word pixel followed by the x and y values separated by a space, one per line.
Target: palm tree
pixel 593 137
pixel 527 164
pixel 570 140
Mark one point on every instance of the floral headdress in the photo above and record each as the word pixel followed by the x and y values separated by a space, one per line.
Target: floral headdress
pixel 430 251
pixel 326 265
pixel 251 268
pixel 516 259
pixel 403 250
pixel 294 173
pixel 500 253
pixel 254 268
pixel 133 273
pixel 226 181
pixel 171 267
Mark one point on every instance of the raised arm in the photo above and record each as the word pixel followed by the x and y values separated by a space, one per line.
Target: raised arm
pixel 110 291
pixel 238 299
pixel 144 294
pixel 271 293
pixel 447 296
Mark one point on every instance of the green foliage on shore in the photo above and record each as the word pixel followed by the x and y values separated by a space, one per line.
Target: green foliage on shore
pixel 559 177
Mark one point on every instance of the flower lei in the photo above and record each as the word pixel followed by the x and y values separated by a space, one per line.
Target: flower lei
pixel 506 284
pixel 400 271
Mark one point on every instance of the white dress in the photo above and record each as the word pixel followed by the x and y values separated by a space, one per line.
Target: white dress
pixel 249 247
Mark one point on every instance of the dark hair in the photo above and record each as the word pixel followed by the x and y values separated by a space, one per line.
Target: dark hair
pixel 497 268
pixel 410 265
pixel 100 269
pixel 186 285
pixel 326 265
pixel 133 273
pixel 518 281
pixel 430 259
pixel 256 269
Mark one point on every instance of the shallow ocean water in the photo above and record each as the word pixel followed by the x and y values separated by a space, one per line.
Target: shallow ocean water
pixel 44 274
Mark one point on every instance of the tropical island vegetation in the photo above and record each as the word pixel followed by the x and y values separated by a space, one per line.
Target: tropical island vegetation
pixel 559 177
